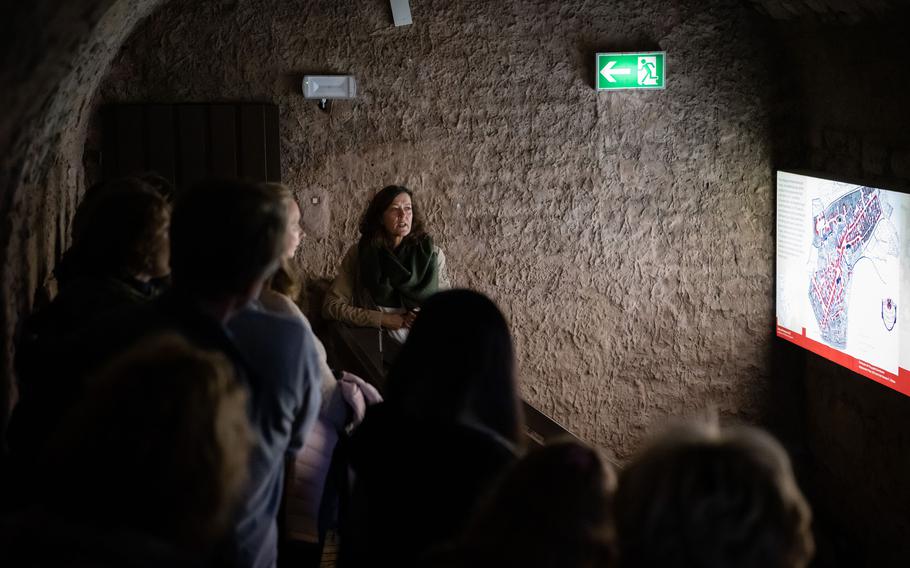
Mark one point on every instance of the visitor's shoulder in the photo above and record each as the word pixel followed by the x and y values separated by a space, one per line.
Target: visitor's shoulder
pixel 281 328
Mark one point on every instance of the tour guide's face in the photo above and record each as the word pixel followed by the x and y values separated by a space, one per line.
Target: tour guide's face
pixel 396 220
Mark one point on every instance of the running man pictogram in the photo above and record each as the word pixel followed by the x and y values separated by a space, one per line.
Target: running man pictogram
pixel 647 70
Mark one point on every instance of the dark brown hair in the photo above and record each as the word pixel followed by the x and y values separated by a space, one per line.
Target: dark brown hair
pixel 225 235
pixel 457 363
pixel 159 443
pixel 119 228
pixel 371 228
pixel 706 498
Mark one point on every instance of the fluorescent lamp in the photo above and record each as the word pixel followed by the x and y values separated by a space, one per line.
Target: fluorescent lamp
pixel 325 87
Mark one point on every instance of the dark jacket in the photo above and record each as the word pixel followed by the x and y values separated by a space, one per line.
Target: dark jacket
pixel 415 485
pixel 47 385
pixel 41 539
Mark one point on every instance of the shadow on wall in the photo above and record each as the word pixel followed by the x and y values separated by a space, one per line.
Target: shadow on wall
pixel 311 300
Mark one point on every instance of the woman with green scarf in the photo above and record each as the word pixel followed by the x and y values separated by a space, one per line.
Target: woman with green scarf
pixel 381 283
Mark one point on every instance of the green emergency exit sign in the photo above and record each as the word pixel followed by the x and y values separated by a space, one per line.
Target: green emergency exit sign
pixel 617 71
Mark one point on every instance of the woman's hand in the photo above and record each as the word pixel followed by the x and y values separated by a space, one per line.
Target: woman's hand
pixel 393 321
pixel 398 321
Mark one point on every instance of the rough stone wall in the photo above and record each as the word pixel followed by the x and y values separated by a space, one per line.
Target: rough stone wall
pixel 53 56
pixel 627 236
pixel 854 124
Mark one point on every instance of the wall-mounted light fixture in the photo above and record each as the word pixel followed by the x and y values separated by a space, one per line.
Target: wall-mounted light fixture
pixel 328 87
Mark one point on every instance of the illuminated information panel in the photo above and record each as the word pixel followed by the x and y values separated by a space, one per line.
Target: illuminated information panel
pixel 843 274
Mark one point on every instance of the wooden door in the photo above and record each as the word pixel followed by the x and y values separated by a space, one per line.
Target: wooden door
pixel 188 142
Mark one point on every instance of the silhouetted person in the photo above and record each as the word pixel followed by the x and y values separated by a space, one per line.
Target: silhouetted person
pixel 551 510
pixel 381 283
pixel 448 428
pixel 122 245
pixel 227 239
pixel 82 220
pixel 147 466
pixel 702 497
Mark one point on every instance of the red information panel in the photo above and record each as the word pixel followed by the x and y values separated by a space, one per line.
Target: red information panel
pixel 899 382
pixel 843 274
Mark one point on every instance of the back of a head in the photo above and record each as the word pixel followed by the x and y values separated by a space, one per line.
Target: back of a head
pixel 702 498
pixel 458 365
pixel 120 228
pixel 225 237
pixel 552 509
pixel 159 444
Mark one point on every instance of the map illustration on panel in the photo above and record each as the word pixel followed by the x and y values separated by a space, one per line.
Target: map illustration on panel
pixel 842 232
pixel 853 271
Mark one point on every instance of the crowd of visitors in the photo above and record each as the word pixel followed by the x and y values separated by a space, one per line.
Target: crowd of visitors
pixel 176 409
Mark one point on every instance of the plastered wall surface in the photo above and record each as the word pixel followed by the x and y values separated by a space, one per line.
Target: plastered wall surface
pixel 627 236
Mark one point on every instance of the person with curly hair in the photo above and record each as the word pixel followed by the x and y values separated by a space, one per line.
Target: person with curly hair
pixel 120 249
pixel 146 468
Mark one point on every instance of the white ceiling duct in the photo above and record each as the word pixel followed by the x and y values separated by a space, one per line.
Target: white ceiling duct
pixel 401 12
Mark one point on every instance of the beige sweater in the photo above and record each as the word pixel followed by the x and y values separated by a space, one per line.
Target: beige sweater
pixel 339 303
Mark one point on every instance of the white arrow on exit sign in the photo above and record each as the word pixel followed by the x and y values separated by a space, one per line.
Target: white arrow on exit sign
pixel 608 71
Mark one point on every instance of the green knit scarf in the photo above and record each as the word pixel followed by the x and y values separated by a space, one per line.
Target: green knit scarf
pixel 402 278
